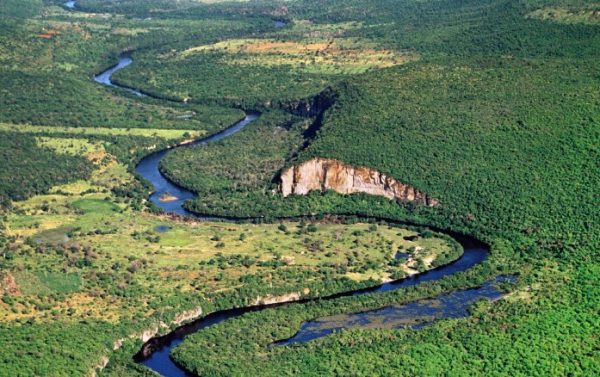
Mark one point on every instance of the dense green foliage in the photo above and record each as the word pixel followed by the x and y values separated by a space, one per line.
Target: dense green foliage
pixel 501 128
pixel 16 9
pixel 37 168
pixel 52 347
pixel 70 102
pixel 252 156
pixel 494 341
pixel 215 82
pixel 504 130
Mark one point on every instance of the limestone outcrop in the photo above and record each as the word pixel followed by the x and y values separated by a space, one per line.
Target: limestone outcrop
pixel 288 297
pixel 328 174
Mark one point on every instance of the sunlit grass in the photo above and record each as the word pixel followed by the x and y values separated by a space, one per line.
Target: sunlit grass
pixel 85 131
pixel 316 55
pixel 587 14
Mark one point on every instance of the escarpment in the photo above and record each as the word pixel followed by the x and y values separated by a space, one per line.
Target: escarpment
pixel 328 174
pixel 313 106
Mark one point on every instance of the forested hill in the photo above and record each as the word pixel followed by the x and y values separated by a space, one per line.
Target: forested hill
pixel 490 106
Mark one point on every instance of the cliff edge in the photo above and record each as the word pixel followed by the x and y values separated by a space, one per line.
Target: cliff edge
pixel 328 174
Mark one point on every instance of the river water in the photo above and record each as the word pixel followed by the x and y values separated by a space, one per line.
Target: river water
pixel 155 353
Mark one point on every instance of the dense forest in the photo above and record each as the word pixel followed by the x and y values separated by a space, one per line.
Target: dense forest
pixel 491 106
pixel 38 168
pixel 250 161
pixel 503 128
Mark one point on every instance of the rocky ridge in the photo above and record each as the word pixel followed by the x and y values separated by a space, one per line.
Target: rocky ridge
pixel 323 174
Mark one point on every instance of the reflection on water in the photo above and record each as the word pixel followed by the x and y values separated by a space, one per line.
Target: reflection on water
pixel 104 77
pixel 149 165
pixel 414 315
pixel 149 169
pixel 70 4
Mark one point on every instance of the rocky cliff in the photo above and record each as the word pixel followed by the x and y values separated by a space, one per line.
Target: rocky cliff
pixel 8 285
pixel 312 106
pixel 329 174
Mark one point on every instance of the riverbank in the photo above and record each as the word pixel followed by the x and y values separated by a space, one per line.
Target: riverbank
pixel 149 168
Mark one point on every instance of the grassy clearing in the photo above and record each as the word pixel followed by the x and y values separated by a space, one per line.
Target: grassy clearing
pixel 73 146
pixel 43 283
pixel 87 234
pixel 87 131
pixel 308 29
pixel 78 253
pixel 108 172
pixel 315 55
pixel 588 14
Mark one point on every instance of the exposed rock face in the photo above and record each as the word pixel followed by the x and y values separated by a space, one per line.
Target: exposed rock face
pixel 8 286
pixel 288 297
pixel 313 106
pixel 328 174
pixel 187 316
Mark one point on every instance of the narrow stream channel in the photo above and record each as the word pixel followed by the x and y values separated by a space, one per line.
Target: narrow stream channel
pixel 155 353
pixel 104 77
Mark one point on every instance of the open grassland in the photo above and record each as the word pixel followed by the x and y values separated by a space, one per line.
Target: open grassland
pixel 584 14
pixel 299 29
pixel 329 56
pixel 81 254
pixel 82 132
pixel 74 146
pixel 70 236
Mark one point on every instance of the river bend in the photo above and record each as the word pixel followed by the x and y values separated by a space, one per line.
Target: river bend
pixel 155 353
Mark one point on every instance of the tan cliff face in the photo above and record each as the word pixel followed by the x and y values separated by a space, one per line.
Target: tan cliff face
pixel 8 285
pixel 328 174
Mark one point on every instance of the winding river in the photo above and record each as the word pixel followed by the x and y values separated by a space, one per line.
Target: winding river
pixel 148 168
pixel 104 77
pixel 155 353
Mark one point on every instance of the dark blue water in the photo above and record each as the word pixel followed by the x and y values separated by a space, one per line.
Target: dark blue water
pixel 148 168
pixel 162 228
pixel 400 255
pixel 412 315
pixel 155 353
pixel 475 253
pixel 279 23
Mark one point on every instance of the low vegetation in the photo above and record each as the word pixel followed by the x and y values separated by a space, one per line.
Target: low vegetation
pixel 329 56
pixel 586 14
pixel 81 254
